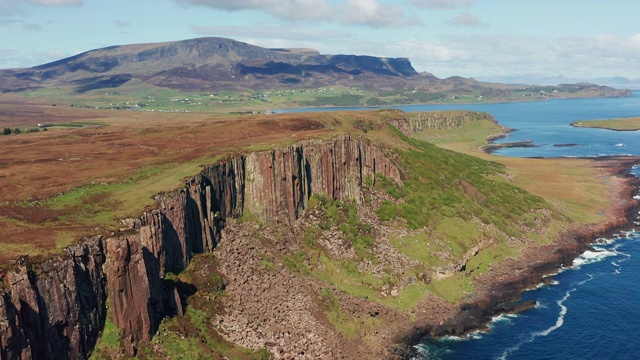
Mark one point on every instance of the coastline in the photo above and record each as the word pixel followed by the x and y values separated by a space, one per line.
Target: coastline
pixel 578 125
pixel 324 108
pixel 499 291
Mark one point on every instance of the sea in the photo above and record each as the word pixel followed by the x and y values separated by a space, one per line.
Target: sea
pixel 592 309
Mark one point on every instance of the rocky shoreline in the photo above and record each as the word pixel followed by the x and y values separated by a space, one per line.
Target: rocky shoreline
pixel 499 291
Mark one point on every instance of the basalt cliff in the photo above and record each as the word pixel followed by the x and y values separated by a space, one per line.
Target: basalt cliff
pixel 311 250
pixel 56 309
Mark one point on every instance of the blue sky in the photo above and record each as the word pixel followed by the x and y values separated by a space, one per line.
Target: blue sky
pixel 471 38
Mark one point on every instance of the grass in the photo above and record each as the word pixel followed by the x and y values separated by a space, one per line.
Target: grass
pixel 105 204
pixel 449 195
pixel 568 184
pixel 193 335
pixel 349 326
pixel 443 185
pixel 446 196
pixel 136 95
pixel 452 288
pixel 108 345
pixel 344 274
pixel 621 124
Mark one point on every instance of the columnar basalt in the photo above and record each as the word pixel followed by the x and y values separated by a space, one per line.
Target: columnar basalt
pixel 412 123
pixel 273 186
pixel 279 182
pixel 56 309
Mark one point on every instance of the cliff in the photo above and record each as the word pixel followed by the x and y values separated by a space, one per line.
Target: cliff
pixel 58 306
pixel 54 309
pixel 412 123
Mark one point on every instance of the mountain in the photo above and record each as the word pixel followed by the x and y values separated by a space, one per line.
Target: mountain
pixel 219 64
pixel 211 63
pixel 539 79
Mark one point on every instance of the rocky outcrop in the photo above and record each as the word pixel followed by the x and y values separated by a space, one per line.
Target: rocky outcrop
pixel 280 182
pixel 54 309
pixel 138 296
pixel 271 186
pixel 411 123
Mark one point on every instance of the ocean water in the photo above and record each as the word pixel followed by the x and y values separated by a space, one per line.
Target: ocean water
pixel 591 310
pixel 547 124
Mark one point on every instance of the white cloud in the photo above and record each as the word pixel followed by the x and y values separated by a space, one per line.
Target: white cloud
pixel 122 23
pixel 32 27
pixel 56 2
pixel 368 13
pixel 9 21
pixel 17 7
pixel 268 32
pixel 578 57
pixel 284 9
pixel 11 58
pixel 442 4
pixel 466 19
pixel 427 52
pixel 373 14
pixel 10 7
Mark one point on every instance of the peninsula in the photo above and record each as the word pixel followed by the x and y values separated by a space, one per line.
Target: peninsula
pixel 622 124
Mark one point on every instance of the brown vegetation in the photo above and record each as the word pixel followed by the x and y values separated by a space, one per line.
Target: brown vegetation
pixel 35 167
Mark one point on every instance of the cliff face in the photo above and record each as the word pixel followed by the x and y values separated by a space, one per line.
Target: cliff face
pixel 453 119
pixel 55 309
pixel 273 186
pixel 58 307
pixel 278 183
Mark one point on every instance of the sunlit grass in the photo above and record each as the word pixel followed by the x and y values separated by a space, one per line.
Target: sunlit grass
pixel 572 185
pixel 105 204
pixel 628 124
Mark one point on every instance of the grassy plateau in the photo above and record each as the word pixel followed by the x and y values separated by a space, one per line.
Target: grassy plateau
pixel 622 124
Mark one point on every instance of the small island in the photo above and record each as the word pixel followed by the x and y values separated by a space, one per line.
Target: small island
pixel 619 124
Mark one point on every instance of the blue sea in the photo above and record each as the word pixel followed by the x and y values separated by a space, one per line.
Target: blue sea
pixel 590 310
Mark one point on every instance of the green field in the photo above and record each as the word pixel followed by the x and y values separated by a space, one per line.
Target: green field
pixel 620 124
pixel 138 96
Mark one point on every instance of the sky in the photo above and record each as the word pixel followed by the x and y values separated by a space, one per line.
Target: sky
pixel 470 38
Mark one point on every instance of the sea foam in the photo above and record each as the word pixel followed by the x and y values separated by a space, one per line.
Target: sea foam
pixel 592 256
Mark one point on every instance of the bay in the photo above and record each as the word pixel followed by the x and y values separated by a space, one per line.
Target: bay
pixel 548 125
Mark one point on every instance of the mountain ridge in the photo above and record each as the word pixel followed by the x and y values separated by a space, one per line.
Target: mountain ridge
pixel 222 64
pixel 200 63
pixel 539 79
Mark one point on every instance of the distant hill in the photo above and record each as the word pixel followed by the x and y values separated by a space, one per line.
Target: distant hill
pixel 215 64
pixel 538 79
pixel 207 63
